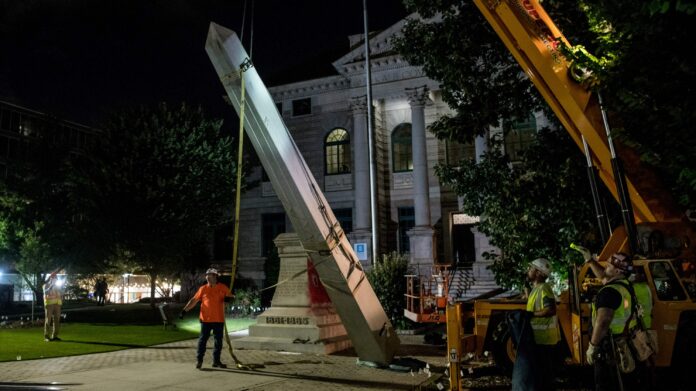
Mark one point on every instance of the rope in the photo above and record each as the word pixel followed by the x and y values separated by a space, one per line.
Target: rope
pixel 240 155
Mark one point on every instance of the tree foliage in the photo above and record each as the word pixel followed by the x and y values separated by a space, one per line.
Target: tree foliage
pixel 387 278
pixel 534 208
pixel 40 230
pixel 649 84
pixel 160 180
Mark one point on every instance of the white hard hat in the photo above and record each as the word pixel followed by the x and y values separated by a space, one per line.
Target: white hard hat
pixel 542 265
pixel 212 271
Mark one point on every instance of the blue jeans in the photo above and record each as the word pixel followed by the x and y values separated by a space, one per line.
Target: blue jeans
pixel 217 329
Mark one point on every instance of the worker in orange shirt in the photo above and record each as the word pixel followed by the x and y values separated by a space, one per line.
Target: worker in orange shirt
pixel 212 297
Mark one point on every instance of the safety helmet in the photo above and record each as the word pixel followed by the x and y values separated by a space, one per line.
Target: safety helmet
pixel 622 261
pixel 212 271
pixel 542 265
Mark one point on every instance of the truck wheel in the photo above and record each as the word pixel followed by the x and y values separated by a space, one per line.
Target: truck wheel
pixel 503 349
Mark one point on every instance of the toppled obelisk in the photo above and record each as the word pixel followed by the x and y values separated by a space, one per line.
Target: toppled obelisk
pixel 339 269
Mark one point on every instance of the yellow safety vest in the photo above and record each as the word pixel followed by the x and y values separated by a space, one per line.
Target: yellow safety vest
pixel 545 328
pixel 622 313
pixel 644 297
pixel 52 294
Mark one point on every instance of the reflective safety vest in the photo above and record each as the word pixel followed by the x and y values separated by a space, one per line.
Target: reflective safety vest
pixel 622 313
pixel 644 297
pixel 52 293
pixel 545 328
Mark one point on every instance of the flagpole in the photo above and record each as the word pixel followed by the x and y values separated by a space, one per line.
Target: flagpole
pixel 370 139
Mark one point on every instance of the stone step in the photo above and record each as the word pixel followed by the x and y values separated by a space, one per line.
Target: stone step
pixel 327 346
pixel 305 333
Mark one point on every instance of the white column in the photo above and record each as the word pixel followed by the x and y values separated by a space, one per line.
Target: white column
pixel 481 146
pixel 421 197
pixel 422 236
pixel 361 164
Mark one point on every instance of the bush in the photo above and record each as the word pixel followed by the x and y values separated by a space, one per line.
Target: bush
pixel 246 301
pixel 388 281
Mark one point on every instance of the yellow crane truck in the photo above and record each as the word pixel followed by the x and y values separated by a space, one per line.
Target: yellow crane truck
pixel 665 233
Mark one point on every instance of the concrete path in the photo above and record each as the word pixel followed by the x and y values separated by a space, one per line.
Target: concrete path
pixel 172 367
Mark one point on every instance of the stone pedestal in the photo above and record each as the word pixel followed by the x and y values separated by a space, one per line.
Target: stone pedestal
pixel 301 318
pixel 422 246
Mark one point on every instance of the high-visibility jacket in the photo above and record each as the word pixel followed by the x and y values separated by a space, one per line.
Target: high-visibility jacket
pixel 644 297
pixel 623 312
pixel 52 293
pixel 546 330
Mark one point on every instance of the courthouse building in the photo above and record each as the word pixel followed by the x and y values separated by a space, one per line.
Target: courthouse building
pixel 327 117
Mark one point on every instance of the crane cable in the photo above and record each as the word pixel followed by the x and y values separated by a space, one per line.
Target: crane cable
pixel 240 149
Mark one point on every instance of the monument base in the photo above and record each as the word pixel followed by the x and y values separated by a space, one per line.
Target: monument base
pixel 302 318
pixel 302 330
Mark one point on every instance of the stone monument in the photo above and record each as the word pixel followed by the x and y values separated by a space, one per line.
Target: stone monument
pixel 301 318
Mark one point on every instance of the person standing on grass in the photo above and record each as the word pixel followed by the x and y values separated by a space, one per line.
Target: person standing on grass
pixel 212 316
pixel 53 301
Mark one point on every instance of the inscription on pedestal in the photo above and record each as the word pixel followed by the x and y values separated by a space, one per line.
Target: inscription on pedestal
pixel 286 320
pixel 297 285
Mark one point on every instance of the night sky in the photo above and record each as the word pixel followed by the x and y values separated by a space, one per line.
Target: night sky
pixel 80 59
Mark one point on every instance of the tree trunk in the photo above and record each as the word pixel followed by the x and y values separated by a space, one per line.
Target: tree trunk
pixel 153 288
pixel 37 287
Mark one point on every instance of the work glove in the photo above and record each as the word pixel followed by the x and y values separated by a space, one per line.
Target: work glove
pixel 181 314
pixel 586 254
pixel 591 354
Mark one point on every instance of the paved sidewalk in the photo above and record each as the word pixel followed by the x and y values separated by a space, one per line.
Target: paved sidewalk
pixel 172 367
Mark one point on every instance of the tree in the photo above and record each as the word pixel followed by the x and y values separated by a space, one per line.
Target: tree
pixel 482 82
pixel 40 231
pixel 534 208
pixel 162 180
pixel 647 78
pixel 387 279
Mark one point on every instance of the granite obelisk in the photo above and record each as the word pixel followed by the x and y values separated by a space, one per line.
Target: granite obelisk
pixel 339 269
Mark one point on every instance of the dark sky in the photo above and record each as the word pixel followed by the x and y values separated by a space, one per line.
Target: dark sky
pixel 80 59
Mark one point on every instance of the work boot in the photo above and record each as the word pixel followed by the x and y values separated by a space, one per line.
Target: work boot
pixel 199 364
pixel 219 365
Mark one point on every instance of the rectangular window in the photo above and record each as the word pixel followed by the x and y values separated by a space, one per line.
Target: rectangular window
pixel 301 107
pixel 403 160
pixel 345 218
pixel 407 220
pixel 456 152
pixel 337 159
pixel 272 225
pixel 5 120
pixel 4 142
pixel 14 122
pixel 522 134
pixel 223 242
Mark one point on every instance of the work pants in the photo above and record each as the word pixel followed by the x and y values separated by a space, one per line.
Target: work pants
pixel 52 319
pixel 544 356
pixel 206 328
pixel 606 371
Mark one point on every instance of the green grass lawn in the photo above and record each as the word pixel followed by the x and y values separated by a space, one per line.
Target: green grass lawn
pixel 83 338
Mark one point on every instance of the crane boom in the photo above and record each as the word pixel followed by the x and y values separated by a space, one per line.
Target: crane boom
pixel 532 38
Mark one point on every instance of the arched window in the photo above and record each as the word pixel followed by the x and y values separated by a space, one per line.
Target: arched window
pixel 519 137
pixel 337 151
pixel 402 156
